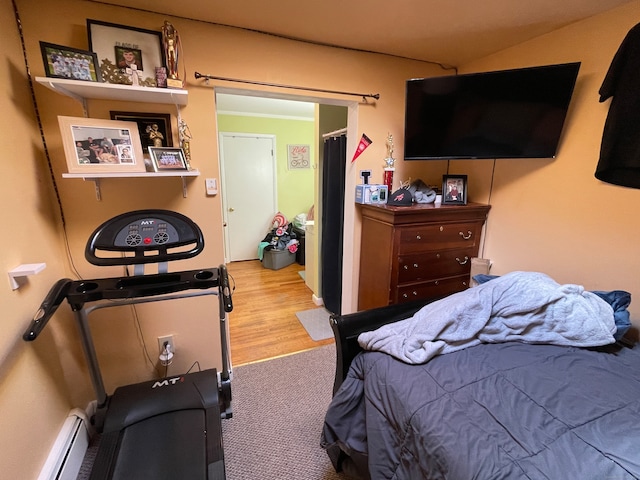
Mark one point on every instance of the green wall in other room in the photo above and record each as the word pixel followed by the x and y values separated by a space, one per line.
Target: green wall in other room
pixel 295 186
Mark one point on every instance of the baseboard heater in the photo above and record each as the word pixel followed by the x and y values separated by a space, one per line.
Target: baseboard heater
pixel 66 455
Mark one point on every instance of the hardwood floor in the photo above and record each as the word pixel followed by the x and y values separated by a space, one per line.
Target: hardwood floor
pixel 263 323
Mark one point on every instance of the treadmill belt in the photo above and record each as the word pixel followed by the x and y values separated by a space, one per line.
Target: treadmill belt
pixel 171 446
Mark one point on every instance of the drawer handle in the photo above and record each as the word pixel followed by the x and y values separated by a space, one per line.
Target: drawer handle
pixel 462 262
pixel 466 237
pixel 418 237
pixel 406 267
pixel 437 282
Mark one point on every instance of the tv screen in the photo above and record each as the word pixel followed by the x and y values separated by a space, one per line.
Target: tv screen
pixel 504 114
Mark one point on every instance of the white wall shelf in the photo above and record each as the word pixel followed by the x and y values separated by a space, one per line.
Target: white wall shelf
pixel 17 275
pixel 96 177
pixel 81 90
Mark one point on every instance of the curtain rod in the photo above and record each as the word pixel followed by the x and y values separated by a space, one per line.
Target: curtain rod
pixel 363 95
pixel 334 133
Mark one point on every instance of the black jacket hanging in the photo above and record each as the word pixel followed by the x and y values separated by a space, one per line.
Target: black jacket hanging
pixel 620 149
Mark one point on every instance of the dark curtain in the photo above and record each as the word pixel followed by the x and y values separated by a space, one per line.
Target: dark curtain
pixel 333 180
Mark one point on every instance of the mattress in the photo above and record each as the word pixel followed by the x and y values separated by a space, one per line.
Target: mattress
pixel 491 411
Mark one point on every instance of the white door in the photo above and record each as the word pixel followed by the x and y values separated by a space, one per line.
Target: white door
pixel 249 201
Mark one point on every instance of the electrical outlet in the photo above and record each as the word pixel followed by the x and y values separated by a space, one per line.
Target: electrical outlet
pixel 169 339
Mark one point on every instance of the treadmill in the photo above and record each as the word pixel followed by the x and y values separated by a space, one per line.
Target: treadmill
pixel 160 429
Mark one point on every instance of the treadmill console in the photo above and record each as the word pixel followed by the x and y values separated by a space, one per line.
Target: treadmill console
pixel 147 231
pixel 142 233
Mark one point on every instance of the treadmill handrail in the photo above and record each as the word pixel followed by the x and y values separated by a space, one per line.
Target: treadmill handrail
pixel 48 307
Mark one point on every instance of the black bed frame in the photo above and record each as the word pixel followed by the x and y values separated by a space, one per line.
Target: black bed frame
pixel 346 329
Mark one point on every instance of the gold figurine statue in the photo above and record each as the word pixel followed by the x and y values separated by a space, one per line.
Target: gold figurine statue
pixel 389 161
pixel 185 138
pixel 171 43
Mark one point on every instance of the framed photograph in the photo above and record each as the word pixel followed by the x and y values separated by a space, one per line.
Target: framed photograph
pixel 124 51
pixel 93 145
pixel 154 128
pixel 298 156
pixel 71 63
pixel 167 158
pixel 454 189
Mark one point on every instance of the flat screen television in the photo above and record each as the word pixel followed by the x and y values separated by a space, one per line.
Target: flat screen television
pixel 503 114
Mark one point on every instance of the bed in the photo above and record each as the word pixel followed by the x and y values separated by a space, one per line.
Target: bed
pixel 497 403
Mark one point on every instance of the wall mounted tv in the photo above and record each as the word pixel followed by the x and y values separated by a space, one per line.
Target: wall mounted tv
pixel 504 114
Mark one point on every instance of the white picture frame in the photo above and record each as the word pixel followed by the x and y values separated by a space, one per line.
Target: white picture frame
pixel 94 145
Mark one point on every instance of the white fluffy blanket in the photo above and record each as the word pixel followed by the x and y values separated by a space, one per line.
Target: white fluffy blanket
pixel 526 307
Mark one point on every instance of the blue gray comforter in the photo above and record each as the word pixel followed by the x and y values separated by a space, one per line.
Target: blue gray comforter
pixel 491 411
pixel 527 307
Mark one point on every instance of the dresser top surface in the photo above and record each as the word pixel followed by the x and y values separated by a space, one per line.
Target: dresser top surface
pixel 425 212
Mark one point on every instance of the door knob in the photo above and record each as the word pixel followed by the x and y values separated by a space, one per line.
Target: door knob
pixel 231 209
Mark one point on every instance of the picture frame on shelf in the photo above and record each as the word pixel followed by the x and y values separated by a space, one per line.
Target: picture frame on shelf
pixel 454 190
pixel 71 63
pixel 168 159
pixel 119 46
pixel 151 126
pixel 94 145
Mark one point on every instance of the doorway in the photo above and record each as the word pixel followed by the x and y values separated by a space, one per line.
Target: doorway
pixel 327 115
pixel 248 169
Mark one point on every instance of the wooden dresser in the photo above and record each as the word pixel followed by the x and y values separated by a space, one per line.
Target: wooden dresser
pixel 422 251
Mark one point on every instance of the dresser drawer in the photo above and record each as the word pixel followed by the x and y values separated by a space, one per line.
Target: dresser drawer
pixel 433 265
pixel 439 236
pixel 418 252
pixel 433 288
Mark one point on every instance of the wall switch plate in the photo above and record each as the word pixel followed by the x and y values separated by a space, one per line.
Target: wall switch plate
pixel 212 186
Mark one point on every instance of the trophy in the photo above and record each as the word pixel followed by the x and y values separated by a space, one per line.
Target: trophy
pixel 171 43
pixel 388 164
pixel 185 141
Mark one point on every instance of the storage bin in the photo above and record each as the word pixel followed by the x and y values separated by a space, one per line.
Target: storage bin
pixel 277 259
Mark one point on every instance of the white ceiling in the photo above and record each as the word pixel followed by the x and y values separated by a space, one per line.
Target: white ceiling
pixel 267 107
pixel 449 32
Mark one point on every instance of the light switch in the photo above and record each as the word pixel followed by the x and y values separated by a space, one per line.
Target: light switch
pixel 212 186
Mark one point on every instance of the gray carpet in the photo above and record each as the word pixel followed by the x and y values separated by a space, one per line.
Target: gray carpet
pixel 316 323
pixel 278 413
pixel 279 408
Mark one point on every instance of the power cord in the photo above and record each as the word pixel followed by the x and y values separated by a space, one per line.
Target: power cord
pixel 191 367
pixel 136 322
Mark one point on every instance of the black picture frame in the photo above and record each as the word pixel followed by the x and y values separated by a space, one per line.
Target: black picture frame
pixel 71 63
pixel 145 121
pixel 167 158
pixel 107 39
pixel 121 54
pixel 454 189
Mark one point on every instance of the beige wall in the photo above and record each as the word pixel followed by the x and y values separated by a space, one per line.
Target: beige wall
pixel 551 216
pixel 33 398
pixel 208 49
pixel 554 215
